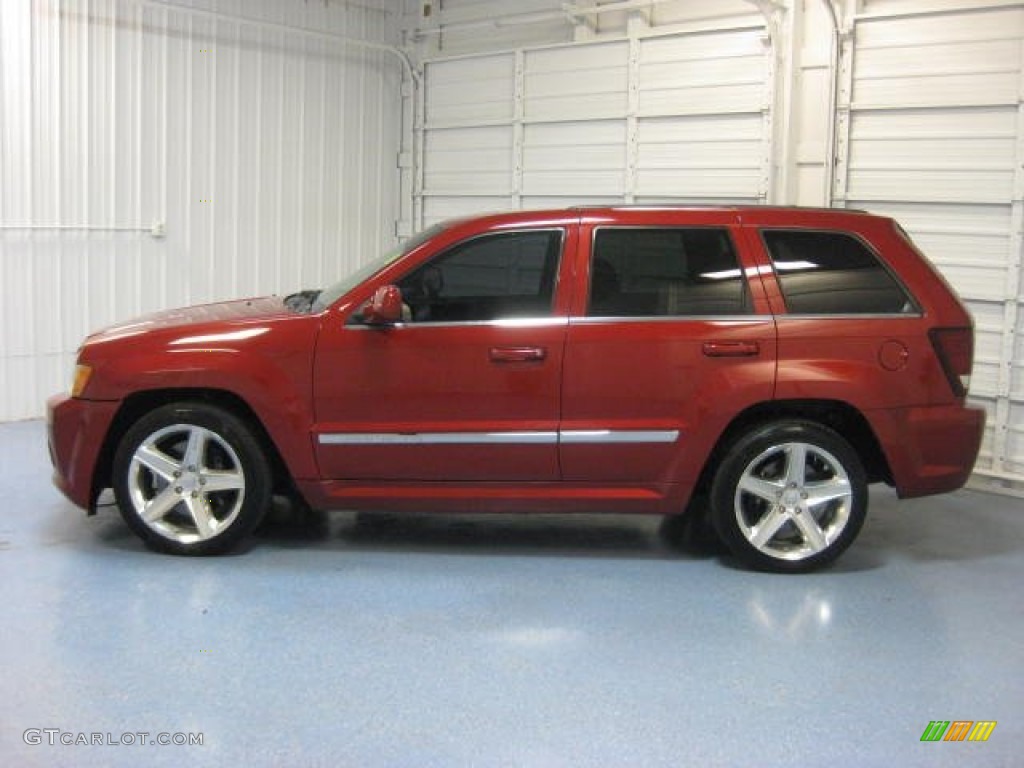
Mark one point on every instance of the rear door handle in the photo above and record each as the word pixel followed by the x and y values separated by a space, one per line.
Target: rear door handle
pixel 731 348
pixel 517 354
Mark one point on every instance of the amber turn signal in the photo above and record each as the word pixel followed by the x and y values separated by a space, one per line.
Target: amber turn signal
pixel 80 379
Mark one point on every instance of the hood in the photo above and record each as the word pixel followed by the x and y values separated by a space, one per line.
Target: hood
pixel 226 314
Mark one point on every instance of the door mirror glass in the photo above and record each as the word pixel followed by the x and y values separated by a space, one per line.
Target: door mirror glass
pixel 385 308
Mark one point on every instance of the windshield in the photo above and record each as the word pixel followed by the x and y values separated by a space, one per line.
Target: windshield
pixel 330 295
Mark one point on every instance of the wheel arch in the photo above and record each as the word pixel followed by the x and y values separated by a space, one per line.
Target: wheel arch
pixel 139 403
pixel 837 415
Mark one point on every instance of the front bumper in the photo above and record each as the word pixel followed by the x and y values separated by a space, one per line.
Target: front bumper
pixel 76 431
pixel 930 449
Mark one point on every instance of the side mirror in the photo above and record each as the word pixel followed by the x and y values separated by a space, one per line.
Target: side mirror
pixel 385 308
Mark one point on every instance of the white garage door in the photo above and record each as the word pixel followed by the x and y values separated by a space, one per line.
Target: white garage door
pixel 662 118
pixel 932 132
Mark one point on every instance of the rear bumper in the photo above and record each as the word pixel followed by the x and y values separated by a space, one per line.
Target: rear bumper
pixel 76 430
pixel 931 449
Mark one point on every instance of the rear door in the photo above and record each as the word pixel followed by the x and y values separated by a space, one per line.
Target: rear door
pixel 670 340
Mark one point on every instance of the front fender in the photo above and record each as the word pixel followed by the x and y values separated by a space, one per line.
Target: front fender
pixel 273 380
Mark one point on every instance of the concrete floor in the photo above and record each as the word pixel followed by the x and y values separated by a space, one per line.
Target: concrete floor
pixel 503 641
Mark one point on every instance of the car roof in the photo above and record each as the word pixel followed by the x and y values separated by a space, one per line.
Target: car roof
pixel 697 207
pixel 758 214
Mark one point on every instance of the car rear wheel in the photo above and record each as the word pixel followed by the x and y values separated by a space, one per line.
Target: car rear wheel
pixel 789 496
pixel 191 479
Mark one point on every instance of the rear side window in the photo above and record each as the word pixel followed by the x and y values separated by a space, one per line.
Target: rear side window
pixel 664 273
pixel 833 273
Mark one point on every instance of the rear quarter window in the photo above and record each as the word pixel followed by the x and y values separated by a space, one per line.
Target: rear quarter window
pixel 833 273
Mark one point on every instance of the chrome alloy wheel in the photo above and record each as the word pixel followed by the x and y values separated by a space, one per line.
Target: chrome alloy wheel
pixel 186 483
pixel 793 500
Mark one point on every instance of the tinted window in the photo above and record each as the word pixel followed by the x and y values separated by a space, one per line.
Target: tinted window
pixel 832 273
pixel 486 278
pixel 665 272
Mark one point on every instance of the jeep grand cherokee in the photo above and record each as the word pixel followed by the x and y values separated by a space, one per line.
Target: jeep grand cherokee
pixel 758 365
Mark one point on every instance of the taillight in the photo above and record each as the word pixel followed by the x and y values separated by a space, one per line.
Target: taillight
pixel 955 350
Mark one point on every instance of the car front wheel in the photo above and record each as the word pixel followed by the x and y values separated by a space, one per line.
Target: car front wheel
pixel 789 496
pixel 191 479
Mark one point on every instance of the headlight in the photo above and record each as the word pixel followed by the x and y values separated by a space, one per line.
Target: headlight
pixel 80 379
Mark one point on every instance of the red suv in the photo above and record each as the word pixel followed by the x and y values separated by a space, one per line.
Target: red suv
pixel 760 365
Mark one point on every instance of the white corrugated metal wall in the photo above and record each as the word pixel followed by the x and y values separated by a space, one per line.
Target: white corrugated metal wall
pixel 267 156
pixel 682 116
pixel 931 129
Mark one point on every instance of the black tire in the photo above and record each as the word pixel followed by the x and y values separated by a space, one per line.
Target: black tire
pixel 199 472
pixel 789 497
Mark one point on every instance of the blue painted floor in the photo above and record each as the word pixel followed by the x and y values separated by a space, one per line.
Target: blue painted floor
pixel 504 641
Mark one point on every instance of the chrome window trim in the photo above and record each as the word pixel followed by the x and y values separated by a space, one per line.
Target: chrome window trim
pixel 545 322
pixel 750 319
pixel 507 322
pixel 852 316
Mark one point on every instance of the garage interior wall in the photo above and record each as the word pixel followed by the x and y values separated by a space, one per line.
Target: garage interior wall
pixel 155 154
pixel 930 127
pixel 910 108
pixel 271 159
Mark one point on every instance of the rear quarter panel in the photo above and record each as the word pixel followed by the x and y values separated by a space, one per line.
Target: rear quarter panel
pixel 870 361
pixel 883 365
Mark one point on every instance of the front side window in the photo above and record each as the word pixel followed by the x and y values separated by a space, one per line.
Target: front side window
pixel 833 273
pixel 641 272
pixel 492 277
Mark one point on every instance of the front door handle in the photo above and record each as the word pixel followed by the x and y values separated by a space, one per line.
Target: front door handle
pixel 731 348
pixel 517 354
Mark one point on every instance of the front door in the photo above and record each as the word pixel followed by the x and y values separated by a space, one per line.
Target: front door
pixel 467 387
